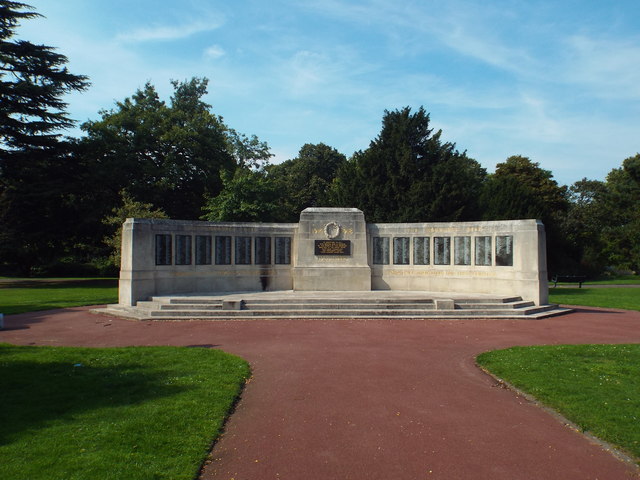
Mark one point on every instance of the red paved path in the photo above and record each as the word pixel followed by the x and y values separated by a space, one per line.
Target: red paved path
pixel 375 399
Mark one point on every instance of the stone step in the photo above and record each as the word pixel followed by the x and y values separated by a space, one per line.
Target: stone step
pixel 332 313
pixel 451 315
pixel 519 313
pixel 496 306
pixel 186 300
pixel 488 300
pixel 323 312
pixel 541 309
pixel 299 306
pixel 255 301
pixel 323 299
pixel 151 305
pixel 333 305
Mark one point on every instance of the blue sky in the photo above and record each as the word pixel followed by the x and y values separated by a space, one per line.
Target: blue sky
pixel 557 81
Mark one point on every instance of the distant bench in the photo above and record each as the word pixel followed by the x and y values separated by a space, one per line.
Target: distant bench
pixel 579 279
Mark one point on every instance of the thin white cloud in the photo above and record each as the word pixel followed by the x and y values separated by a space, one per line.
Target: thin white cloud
pixel 468 29
pixel 214 51
pixel 539 120
pixel 491 51
pixel 307 72
pixel 608 67
pixel 325 77
pixel 168 32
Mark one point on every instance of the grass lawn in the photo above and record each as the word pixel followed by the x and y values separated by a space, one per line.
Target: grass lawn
pixel 610 280
pixel 595 386
pixel 617 280
pixel 19 295
pixel 625 298
pixel 114 413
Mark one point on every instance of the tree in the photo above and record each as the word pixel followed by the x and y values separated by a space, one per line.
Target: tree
pixel 249 152
pixel 305 181
pixel 408 174
pixel 37 197
pixel 520 189
pixel 507 198
pixel 584 224
pixel 33 80
pixel 603 221
pixel 621 232
pixel 538 181
pixel 169 156
pixel 128 209
pixel 247 196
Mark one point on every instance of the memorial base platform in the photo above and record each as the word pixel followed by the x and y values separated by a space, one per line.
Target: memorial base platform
pixel 375 304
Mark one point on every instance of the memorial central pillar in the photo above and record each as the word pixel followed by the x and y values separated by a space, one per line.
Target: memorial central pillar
pixel 331 250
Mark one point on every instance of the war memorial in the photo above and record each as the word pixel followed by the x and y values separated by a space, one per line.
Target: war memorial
pixel 331 257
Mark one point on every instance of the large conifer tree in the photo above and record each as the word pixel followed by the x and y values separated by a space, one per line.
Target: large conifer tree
pixel 33 80
pixel 409 175
pixel 34 162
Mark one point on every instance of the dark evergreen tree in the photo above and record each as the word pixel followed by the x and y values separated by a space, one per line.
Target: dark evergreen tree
pixel 345 190
pixel 520 189
pixel 537 181
pixel 38 174
pixel 506 197
pixel 408 174
pixel 33 82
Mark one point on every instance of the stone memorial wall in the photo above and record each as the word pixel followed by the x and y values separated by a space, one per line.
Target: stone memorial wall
pixel 332 249
pixel 160 257
pixel 502 257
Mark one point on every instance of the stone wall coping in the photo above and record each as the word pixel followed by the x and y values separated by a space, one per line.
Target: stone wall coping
pixel 330 210
pixel 204 223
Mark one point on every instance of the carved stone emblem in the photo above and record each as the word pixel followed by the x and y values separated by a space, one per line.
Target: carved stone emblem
pixel 332 230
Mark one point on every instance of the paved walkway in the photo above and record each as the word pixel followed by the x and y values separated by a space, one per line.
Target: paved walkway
pixel 378 399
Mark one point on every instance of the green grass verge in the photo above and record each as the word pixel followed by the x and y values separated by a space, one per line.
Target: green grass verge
pixel 595 386
pixel 617 280
pixel 624 298
pixel 607 280
pixel 113 413
pixel 29 295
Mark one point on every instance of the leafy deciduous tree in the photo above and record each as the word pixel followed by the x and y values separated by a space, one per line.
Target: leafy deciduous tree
pixel 584 223
pixel 621 234
pixel 169 156
pixel 128 209
pixel 247 196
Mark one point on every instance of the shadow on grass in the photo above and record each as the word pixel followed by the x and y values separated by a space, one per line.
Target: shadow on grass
pixel 33 394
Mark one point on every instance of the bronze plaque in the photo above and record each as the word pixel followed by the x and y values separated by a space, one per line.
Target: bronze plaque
pixel 333 247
